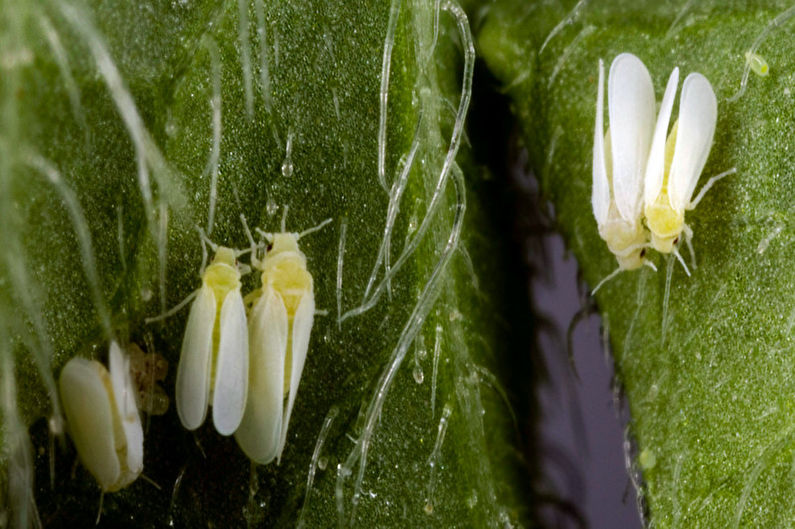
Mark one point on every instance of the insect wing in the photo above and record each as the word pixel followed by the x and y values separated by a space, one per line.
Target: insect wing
pixel 124 396
pixel 90 418
pixel 631 105
pixel 655 169
pixel 302 327
pixel 193 371
pixel 231 368
pixel 600 194
pixel 698 113
pixel 260 431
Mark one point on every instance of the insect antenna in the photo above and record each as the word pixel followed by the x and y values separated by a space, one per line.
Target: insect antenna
pixel 681 261
pixel 314 229
pixel 610 276
pixel 170 312
pixel 253 246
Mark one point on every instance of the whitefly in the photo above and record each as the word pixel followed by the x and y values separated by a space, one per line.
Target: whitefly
pixel 675 163
pixel 619 160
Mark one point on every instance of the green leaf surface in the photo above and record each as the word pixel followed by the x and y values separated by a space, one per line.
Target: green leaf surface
pixel 706 362
pixel 125 126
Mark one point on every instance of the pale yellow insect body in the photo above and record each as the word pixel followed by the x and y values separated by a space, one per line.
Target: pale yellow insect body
pixel 280 321
pixel 675 163
pixel 619 160
pixel 213 364
pixel 757 63
pixel 102 418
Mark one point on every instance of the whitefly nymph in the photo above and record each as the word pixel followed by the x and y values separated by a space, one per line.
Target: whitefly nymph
pixel 619 160
pixel 280 318
pixel 675 163
pixel 103 419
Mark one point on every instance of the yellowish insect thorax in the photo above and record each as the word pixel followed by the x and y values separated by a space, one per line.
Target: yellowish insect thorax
pixel 625 240
pixel 665 223
pixel 222 276
pixel 284 270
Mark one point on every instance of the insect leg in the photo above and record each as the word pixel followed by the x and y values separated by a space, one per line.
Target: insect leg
pixel 708 185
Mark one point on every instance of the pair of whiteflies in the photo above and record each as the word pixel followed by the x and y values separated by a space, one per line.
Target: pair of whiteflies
pixel 643 176
pixel 246 363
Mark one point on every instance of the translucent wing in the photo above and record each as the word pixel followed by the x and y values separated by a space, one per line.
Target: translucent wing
pixel 260 430
pixel 631 105
pixel 124 395
pixel 231 367
pixel 90 418
pixel 655 169
pixel 698 112
pixel 302 327
pixel 193 371
pixel 600 194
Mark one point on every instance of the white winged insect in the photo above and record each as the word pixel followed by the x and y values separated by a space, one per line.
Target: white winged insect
pixel 102 418
pixel 280 321
pixel 675 164
pixel 214 361
pixel 619 160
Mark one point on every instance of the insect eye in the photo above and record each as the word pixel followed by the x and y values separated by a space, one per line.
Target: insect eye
pixel 676 241
pixel 643 253
pixel 269 247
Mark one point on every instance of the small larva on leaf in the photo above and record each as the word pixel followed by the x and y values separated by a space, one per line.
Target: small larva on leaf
pixel 214 359
pixel 102 418
pixel 281 316
pixel 619 159
pixel 757 63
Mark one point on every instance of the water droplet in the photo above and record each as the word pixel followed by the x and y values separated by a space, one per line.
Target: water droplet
pixel 428 507
pixel 472 500
pixel 146 294
pixel 322 463
pixel 419 376
pixel 287 164
pixel 271 207
pixel 287 168
pixel 56 427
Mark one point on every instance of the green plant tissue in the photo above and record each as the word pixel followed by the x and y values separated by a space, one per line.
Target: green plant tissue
pixel 707 362
pixel 125 126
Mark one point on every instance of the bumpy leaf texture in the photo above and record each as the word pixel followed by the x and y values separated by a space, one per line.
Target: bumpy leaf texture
pixel 126 126
pixel 706 362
